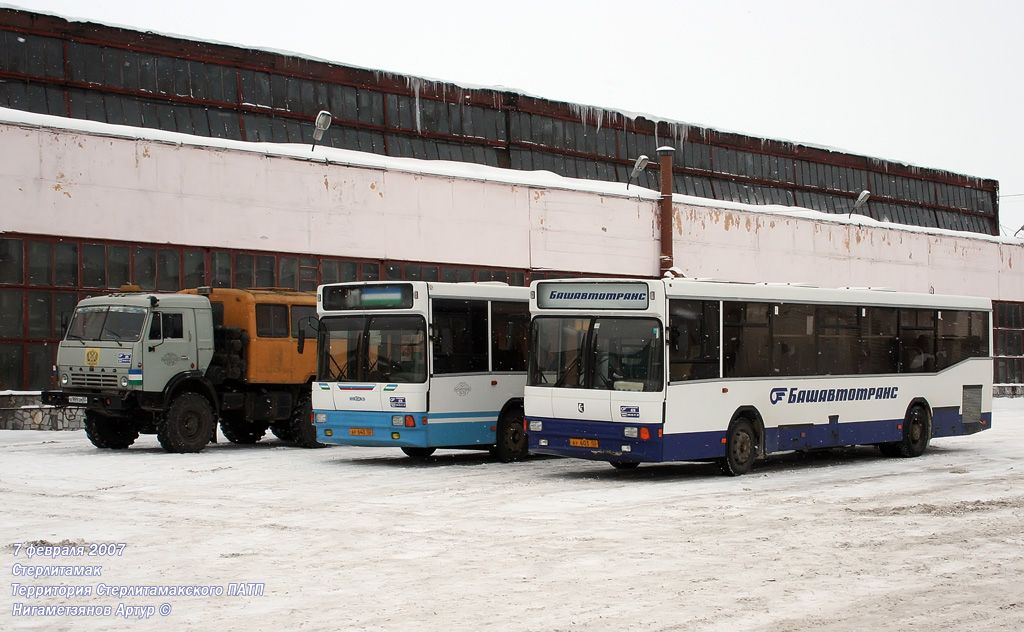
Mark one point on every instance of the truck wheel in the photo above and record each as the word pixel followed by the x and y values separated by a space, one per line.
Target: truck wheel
pixel 283 430
pixel 188 425
pixel 510 441
pixel 302 426
pixel 109 432
pixel 238 430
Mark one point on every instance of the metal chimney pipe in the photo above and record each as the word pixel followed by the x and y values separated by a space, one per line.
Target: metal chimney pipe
pixel 665 153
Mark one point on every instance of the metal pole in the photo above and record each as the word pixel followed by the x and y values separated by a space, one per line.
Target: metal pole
pixel 665 214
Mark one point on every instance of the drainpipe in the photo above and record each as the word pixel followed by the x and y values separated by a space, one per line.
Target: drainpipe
pixel 665 153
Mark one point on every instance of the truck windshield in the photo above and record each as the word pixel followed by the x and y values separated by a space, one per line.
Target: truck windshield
pixel 608 353
pixel 107 322
pixel 364 348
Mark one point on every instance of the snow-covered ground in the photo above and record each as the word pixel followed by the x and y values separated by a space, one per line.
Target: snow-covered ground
pixel 366 539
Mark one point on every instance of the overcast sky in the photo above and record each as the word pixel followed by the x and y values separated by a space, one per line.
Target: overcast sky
pixel 933 83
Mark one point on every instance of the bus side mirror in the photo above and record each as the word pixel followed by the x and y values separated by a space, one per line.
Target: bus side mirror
pixel 302 340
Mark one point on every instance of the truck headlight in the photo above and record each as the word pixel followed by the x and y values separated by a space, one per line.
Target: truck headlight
pixel 124 381
pixel 64 379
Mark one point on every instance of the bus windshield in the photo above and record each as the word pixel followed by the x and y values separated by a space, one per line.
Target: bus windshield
pixel 107 322
pixel 365 348
pixel 606 353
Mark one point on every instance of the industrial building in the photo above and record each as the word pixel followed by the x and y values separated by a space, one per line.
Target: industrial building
pixel 90 206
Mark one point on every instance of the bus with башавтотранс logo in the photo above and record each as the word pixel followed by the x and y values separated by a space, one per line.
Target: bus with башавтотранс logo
pixel 419 366
pixel 635 371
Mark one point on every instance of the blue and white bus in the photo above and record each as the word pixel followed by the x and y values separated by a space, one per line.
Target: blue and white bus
pixel 632 371
pixel 420 366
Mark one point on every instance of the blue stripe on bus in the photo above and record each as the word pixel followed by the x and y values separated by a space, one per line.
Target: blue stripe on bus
pixel 490 414
pixel 696 446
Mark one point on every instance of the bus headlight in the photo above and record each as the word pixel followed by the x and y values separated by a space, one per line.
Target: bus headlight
pixel 536 425
pixel 64 379
pixel 320 418
pixel 124 381
pixel 397 420
pixel 631 432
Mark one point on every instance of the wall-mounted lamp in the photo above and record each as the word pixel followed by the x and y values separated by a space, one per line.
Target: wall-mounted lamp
pixel 638 167
pixel 861 200
pixel 322 122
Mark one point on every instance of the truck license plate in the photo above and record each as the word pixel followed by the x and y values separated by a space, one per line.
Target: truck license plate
pixel 361 432
pixel 78 399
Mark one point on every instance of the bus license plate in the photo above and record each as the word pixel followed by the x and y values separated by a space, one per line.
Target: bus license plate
pixel 361 432
pixel 78 399
pixel 583 443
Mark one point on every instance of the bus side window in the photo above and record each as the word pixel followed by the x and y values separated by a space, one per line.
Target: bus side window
pixel 510 325
pixel 693 340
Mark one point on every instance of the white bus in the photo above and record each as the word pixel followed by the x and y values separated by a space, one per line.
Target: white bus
pixel 631 371
pixel 421 366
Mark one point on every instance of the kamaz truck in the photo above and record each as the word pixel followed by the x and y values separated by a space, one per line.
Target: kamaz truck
pixel 173 364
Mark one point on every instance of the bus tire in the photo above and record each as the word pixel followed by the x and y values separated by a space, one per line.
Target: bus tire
pixel 740 448
pixel 238 430
pixel 108 432
pixel 303 430
pixel 418 453
pixel 511 443
pixel 188 425
pixel 917 431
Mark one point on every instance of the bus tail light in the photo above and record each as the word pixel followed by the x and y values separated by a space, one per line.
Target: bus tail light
pixel 645 434
pixel 410 422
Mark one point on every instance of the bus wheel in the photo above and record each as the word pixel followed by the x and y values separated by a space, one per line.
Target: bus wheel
pixel 510 441
pixel 418 453
pixel 625 465
pixel 188 425
pixel 108 432
pixel 303 430
pixel 740 448
pixel 917 431
pixel 238 430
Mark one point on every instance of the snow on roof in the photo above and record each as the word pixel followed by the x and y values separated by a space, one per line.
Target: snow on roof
pixel 595 114
pixel 462 170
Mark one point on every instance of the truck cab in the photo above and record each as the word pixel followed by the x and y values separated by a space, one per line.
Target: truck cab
pixel 128 358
